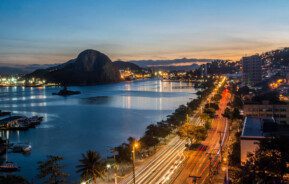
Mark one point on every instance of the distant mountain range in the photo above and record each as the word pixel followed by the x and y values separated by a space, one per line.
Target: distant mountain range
pixel 90 67
pixel 122 65
pixel 175 64
pixel 9 69
pixel 277 57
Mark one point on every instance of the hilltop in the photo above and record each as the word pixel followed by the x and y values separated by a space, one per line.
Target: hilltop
pixel 90 67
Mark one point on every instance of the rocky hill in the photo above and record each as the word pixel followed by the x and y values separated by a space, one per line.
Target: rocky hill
pixel 90 67
pixel 122 65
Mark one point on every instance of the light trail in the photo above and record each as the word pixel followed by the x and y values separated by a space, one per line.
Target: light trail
pixel 146 170
pixel 163 164
pixel 198 163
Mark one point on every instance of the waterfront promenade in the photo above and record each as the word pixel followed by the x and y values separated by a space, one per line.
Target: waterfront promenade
pixel 164 166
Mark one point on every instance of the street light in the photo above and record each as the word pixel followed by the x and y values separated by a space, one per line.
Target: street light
pixel 86 182
pixel 135 146
pixel 108 166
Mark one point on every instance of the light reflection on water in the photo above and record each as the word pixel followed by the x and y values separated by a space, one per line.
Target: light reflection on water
pixel 101 116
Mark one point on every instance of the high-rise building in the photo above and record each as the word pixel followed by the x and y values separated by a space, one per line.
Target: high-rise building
pixel 252 70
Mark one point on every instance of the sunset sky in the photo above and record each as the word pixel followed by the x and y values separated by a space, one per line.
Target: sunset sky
pixel 53 31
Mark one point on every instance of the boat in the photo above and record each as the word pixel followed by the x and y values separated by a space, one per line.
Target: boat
pixel 34 120
pixel 66 92
pixel 31 122
pixel 9 167
pixel 11 123
pixel 21 148
pixel 4 113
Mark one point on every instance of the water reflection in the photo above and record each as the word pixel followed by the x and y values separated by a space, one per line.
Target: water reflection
pixel 96 100
pixel 100 116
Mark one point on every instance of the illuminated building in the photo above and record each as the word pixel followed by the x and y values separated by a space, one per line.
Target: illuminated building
pixel 266 109
pixel 252 70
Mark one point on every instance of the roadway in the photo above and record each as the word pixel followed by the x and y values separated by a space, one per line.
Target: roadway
pixel 198 162
pixel 157 167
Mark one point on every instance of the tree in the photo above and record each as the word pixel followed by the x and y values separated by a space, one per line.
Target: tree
pixel 50 170
pixel 210 112
pixel 217 97
pixel 159 130
pixel 124 152
pixel 131 140
pixel 244 91
pixel 236 113
pixel 269 163
pixel 232 115
pixel 91 166
pixel 199 93
pixel 212 105
pixel 227 113
pixel 192 132
pixel 149 141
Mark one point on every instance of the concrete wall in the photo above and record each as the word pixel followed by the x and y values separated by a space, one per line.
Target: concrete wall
pixel 248 146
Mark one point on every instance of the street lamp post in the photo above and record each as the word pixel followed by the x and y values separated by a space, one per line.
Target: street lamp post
pixel 108 166
pixel 134 147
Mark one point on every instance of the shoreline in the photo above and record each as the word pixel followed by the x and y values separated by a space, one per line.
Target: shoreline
pixel 152 84
pixel 173 132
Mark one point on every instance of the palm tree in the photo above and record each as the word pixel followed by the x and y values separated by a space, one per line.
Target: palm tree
pixel 51 170
pixel 91 166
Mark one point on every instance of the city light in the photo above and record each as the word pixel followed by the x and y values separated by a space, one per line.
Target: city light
pixel 136 145
pixel 18 81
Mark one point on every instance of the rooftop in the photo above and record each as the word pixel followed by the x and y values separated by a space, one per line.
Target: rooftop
pixel 252 128
pixel 258 128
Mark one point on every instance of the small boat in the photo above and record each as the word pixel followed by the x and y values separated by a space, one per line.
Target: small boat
pixel 9 167
pixel 66 92
pixel 35 120
pixel 21 148
pixel 31 122
pixel 4 113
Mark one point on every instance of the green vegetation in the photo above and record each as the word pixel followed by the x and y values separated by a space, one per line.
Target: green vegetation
pixel 233 114
pixel 235 156
pixel 51 170
pixel 232 111
pixel 194 133
pixel 91 166
pixel 217 97
pixel 124 151
pixel 269 163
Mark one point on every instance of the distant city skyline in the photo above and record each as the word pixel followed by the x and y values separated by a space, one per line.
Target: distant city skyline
pixel 53 31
